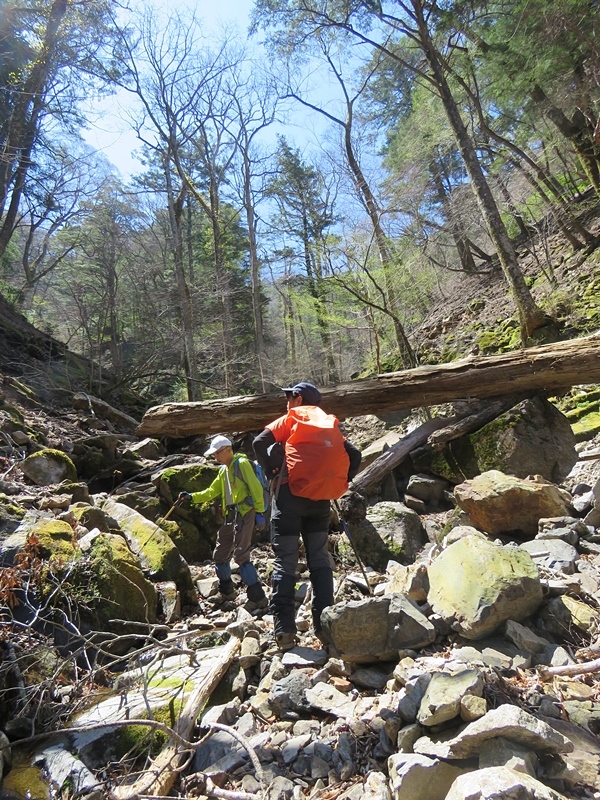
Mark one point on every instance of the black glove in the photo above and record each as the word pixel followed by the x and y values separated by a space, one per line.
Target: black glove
pixel 184 499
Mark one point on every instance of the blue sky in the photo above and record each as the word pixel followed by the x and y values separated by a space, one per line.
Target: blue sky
pixel 109 131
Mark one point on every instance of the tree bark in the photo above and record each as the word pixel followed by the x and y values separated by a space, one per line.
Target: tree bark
pixel 546 368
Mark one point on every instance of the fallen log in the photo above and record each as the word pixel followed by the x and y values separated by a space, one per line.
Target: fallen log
pixel 547 368
pixel 159 777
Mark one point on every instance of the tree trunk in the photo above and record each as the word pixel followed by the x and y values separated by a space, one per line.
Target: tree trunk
pixel 547 368
pixel 23 125
pixel 175 206
pixel 531 317
pixel 407 354
pixel 576 132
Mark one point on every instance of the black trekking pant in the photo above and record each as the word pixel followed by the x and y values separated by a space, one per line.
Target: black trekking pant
pixel 293 517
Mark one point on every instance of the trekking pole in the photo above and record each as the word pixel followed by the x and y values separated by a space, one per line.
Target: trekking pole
pixel 157 527
pixel 346 528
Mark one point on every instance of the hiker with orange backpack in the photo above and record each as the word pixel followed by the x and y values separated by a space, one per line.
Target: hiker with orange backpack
pixel 243 507
pixel 314 462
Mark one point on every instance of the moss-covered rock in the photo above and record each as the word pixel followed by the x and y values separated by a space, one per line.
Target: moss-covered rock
pixel 587 427
pixel 49 466
pixel 155 550
pixel 189 478
pixel 92 517
pixel 117 586
pixel 11 514
pixel 533 438
pixel 55 540
pixel 192 545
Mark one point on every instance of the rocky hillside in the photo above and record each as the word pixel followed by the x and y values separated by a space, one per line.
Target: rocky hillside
pixel 463 646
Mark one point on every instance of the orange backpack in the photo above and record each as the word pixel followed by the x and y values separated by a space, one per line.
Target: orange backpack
pixel 316 459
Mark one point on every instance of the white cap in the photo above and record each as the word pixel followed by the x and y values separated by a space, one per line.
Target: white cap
pixel 217 444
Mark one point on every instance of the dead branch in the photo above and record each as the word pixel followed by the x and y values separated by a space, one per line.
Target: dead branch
pixel 586 668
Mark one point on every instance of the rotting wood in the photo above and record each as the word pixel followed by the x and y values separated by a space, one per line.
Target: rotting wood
pixel 547 368
pixel 159 778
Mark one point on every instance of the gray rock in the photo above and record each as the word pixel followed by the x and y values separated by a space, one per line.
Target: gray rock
pixel 552 553
pixel 389 531
pixel 441 701
pixel 524 638
pixel 304 657
pixel 476 585
pixel 565 614
pixel 280 789
pixel 428 488
pixel 289 693
pixel 508 721
pixel 500 783
pixel 416 776
pixel 414 691
pixel 325 697
pixel 376 629
pixel 501 752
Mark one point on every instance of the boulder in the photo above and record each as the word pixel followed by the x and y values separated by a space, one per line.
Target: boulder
pixel 155 550
pixel 499 783
pixel 116 585
pixel 533 438
pixel 49 466
pixel 390 531
pixel 499 503
pixel 508 721
pixel 416 776
pixel 442 699
pixel 476 585
pixel 375 629
pixel 54 539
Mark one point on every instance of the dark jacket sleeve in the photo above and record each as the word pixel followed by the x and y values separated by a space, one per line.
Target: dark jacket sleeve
pixel 355 457
pixel 261 446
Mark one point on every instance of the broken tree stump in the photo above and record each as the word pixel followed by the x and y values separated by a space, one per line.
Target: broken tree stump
pixel 547 368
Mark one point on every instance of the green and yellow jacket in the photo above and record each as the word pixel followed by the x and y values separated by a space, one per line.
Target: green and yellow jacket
pixel 244 484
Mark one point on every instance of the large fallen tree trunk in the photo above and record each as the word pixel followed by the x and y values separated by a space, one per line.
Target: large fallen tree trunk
pixel 548 368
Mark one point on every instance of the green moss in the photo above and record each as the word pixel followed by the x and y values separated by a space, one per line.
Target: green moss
pixel 192 478
pixel 187 539
pixel 50 454
pixel 587 427
pixel 117 585
pixel 55 540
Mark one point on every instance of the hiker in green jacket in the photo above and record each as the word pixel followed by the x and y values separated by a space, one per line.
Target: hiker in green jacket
pixel 243 506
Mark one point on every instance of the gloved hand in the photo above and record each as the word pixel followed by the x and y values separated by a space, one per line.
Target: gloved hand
pixel 259 521
pixel 184 498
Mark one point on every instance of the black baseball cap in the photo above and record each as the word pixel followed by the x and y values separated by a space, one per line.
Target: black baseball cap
pixel 309 393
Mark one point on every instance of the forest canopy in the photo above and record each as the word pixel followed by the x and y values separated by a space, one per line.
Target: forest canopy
pixel 238 258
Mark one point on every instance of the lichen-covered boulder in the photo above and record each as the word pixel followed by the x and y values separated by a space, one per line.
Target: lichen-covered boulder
pixel 533 438
pixel 498 503
pixel 476 585
pixel 50 538
pixel 49 466
pixel 117 588
pixel 155 550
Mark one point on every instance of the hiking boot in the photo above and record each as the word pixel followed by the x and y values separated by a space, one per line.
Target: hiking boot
pixel 285 641
pixel 256 597
pixel 227 589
